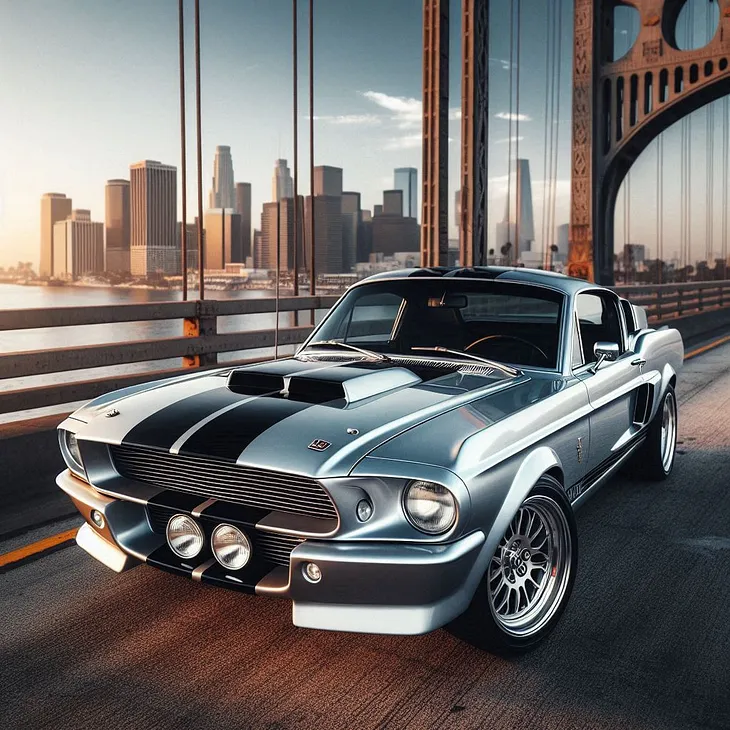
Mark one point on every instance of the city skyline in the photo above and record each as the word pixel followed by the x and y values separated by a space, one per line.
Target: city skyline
pixel 367 107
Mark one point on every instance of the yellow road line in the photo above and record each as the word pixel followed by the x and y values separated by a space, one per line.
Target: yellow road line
pixel 37 547
pixel 54 540
pixel 708 346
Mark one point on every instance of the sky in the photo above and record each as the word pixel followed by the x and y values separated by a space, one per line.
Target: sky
pixel 90 86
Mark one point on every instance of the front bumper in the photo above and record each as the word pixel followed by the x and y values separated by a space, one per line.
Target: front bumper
pixel 370 587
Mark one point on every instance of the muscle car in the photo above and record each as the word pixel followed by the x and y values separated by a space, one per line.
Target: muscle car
pixel 416 464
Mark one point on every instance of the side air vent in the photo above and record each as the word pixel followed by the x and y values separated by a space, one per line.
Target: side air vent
pixel 250 382
pixel 642 407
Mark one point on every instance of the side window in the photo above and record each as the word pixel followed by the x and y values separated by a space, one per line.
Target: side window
pixel 577 353
pixel 372 319
pixel 599 321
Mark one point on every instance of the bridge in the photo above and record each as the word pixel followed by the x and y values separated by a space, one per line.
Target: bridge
pixel 644 643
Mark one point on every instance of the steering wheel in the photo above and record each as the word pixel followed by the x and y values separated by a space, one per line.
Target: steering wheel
pixel 519 340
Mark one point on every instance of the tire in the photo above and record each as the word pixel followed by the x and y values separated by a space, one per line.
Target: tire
pixel 525 621
pixel 655 457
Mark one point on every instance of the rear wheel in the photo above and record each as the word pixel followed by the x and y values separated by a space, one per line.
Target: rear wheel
pixel 529 578
pixel 655 458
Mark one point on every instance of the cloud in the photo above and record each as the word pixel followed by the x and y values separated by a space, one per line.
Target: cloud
pixel 454 113
pixel 350 119
pixel 505 140
pixel 503 62
pixel 406 142
pixel 514 117
pixel 406 111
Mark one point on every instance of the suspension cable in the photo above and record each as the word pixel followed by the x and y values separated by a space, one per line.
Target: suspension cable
pixel 509 126
pixel 549 12
pixel 558 28
pixel 660 208
pixel 518 167
pixel 725 131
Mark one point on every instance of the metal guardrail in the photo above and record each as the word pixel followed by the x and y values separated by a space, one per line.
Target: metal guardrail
pixel 198 346
pixel 200 342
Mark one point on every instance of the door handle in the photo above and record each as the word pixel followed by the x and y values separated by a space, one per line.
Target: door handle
pixel 638 361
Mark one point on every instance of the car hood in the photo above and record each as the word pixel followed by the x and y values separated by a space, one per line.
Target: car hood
pixel 314 418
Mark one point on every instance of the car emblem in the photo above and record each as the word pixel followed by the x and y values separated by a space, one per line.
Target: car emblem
pixel 579 449
pixel 113 412
pixel 319 445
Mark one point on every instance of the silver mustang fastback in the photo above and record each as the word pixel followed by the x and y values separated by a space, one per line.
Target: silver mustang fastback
pixel 416 464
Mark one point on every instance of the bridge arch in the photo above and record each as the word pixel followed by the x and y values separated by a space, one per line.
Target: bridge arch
pixel 619 109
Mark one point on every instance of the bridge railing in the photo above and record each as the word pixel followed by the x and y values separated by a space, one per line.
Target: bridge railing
pixel 200 341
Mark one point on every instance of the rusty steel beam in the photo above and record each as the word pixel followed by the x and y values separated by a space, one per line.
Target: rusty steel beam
pixel 474 132
pixel 434 221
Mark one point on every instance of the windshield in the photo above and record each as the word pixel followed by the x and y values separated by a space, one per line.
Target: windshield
pixel 511 323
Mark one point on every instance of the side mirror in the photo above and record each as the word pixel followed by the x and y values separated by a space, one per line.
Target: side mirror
pixel 604 351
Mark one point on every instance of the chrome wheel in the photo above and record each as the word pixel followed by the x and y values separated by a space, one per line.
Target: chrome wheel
pixel 530 569
pixel 669 431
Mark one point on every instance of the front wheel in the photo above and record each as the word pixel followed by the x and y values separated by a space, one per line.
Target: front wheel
pixel 529 578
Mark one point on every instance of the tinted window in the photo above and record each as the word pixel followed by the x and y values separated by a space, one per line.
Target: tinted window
pixel 491 306
pixel 599 321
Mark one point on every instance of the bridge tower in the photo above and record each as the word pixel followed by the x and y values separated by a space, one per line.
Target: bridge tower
pixel 621 105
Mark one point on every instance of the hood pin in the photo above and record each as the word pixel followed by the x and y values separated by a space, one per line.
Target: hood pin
pixel 352 432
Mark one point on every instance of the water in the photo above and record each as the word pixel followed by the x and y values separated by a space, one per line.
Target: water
pixel 32 297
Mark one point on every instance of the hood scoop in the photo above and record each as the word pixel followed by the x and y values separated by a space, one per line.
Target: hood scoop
pixel 252 382
pixel 349 383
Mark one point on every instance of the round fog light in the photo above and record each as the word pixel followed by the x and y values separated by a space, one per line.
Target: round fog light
pixel 97 518
pixel 364 510
pixel 312 572
pixel 184 536
pixel 231 547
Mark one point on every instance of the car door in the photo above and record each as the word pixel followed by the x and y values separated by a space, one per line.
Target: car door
pixel 612 387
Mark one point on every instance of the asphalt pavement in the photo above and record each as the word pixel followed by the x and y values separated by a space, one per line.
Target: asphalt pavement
pixel 644 643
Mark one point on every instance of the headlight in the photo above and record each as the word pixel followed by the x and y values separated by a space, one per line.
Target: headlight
pixel 430 507
pixel 231 547
pixel 71 452
pixel 184 536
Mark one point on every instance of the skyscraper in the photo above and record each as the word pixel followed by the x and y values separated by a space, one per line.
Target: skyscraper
pixel 406 179
pixel 117 230
pixel 518 220
pixel 54 207
pixel 222 194
pixel 327 232
pixel 154 241
pixel 243 208
pixel 222 238
pixel 327 180
pixel 393 202
pixel 351 228
pixel 282 185
pixel 78 246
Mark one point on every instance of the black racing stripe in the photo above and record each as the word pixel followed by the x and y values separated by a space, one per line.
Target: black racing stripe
pixel 228 435
pixel 164 427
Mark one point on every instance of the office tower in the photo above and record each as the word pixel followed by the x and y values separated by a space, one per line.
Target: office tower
pixel 392 231
pixel 78 244
pixel 282 185
pixel 562 242
pixel 327 180
pixel 222 194
pixel 191 242
pixel 523 226
pixel 281 225
pixel 351 226
pixel 457 209
pixel 154 244
pixel 222 238
pixel 365 237
pixel 256 261
pixel 54 207
pixel 405 179
pixel 116 223
pixel 327 232
pixel 243 208
pixel 393 202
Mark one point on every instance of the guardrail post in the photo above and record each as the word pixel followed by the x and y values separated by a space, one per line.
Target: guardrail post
pixel 659 304
pixel 700 305
pixel 203 324
pixel 679 301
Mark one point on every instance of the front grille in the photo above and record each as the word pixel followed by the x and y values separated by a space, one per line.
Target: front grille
pixel 229 482
pixel 268 546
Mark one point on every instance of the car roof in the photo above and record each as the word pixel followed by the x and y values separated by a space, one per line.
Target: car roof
pixel 552 279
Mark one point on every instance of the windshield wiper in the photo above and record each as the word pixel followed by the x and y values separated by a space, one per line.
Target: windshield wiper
pixel 347 346
pixel 506 369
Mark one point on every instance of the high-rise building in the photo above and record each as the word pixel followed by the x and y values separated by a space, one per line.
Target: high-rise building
pixel 406 180
pixel 327 232
pixel 154 244
pixel 351 227
pixel 256 256
pixel 277 224
pixel 365 237
pixel 222 194
pixel 393 203
pixel 282 185
pixel 54 207
pixel 521 224
pixel 328 180
pixel 243 208
pixel 78 244
pixel 191 242
pixel 457 209
pixel 222 238
pixel 116 222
